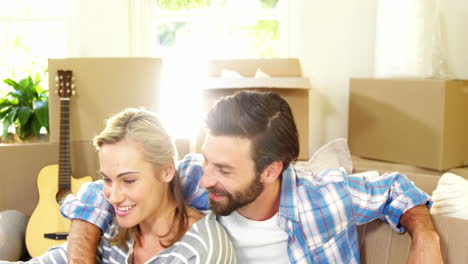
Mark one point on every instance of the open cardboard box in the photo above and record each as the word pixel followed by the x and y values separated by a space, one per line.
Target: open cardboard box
pixel 284 79
pixel 380 244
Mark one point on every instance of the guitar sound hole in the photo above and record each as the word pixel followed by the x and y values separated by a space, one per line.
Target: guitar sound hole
pixel 61 195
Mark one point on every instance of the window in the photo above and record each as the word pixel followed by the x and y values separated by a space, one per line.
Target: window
pixel 188 32
pixel 32 31
pixel 221 28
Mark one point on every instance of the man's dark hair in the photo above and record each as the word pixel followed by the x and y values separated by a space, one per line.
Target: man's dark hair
pixel 263 117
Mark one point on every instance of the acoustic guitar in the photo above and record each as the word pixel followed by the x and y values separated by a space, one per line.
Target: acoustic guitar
pixel 47 227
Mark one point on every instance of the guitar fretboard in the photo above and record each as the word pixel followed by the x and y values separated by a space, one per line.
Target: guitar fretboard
pixel 65 171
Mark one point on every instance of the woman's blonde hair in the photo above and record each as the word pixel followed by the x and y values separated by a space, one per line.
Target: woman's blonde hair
pixel 146 129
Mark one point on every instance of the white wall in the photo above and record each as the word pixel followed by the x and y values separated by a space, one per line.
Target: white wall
pixel 97 28
pixel 337 43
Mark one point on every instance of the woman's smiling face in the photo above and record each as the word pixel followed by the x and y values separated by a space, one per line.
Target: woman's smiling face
pixel 132 185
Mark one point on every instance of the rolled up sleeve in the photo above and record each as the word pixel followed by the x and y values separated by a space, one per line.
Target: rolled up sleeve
pixel 386 197
pixel 89 205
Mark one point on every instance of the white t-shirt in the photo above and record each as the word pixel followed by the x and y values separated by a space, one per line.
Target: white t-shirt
pixel 257 241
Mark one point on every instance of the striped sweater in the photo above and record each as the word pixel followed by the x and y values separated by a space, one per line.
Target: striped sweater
pixel 205 242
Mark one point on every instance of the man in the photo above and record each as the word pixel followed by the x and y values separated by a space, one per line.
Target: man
pixel 273 212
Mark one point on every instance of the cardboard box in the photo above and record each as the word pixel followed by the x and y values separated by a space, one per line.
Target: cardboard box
pixel 285 80
pixel 380 244
pixel 289 67
pixel 426 179
pixel 104 86
pixel 417 122
pixel 21 164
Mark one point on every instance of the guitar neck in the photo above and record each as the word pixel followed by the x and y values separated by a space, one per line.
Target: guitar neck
pixel 65 171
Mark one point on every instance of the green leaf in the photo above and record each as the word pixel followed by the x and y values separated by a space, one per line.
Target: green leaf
pixel 12 115
pixel 6 125
pixel 24 114
pixel 28 88
pixel 17 94
pixel 12 83
pixel 26 130
pixel 5 103
pixel 26 106
pixel 41 110
pixel 36 126
pixel 25 82
pixel 8 121
pixel 37 79
pixel 4 112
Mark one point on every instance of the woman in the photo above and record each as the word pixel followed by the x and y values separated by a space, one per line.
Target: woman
pixel 155 225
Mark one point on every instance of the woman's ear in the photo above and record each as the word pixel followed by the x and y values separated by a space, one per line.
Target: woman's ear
pixel 168 172
pixel 272 172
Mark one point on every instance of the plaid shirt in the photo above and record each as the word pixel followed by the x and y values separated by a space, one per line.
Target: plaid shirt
pixel 318 212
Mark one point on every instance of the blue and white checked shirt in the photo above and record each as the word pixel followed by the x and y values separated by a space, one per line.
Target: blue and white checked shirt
pixel 318 212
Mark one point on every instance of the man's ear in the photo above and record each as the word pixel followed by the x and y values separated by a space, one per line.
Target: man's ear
pixel 168 172
pixel 272 172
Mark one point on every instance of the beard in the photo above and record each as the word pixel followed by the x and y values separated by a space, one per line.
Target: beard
pixel 237 199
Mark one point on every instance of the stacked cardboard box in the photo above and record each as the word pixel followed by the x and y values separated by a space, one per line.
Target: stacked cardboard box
pixel 418 128
pixel 416 122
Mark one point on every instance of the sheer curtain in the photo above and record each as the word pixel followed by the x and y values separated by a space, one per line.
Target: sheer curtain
pixel 409 42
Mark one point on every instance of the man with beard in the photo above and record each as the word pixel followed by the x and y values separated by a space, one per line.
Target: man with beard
pixel 273 212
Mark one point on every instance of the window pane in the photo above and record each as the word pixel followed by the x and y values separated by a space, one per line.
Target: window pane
pixel 223 39
pixel 28 46
pixel 32 8
pixel 263 38
pixel 179 5
pixel 32 31
pixel 176 5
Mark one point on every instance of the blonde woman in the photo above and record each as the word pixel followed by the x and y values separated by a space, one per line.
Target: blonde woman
pixel 152 224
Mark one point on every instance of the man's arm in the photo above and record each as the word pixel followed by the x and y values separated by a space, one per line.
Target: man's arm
pixel 425 243
pixel 90 213
pixel 82 242
pixel 394 199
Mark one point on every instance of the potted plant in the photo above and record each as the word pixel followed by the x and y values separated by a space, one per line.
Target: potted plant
pixel 26 107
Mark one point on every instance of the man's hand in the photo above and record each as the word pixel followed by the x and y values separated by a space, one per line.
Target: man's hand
pixel 82 242
pixel 425 243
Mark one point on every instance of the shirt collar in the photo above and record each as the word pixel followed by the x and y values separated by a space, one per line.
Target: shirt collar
pixel 288 199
